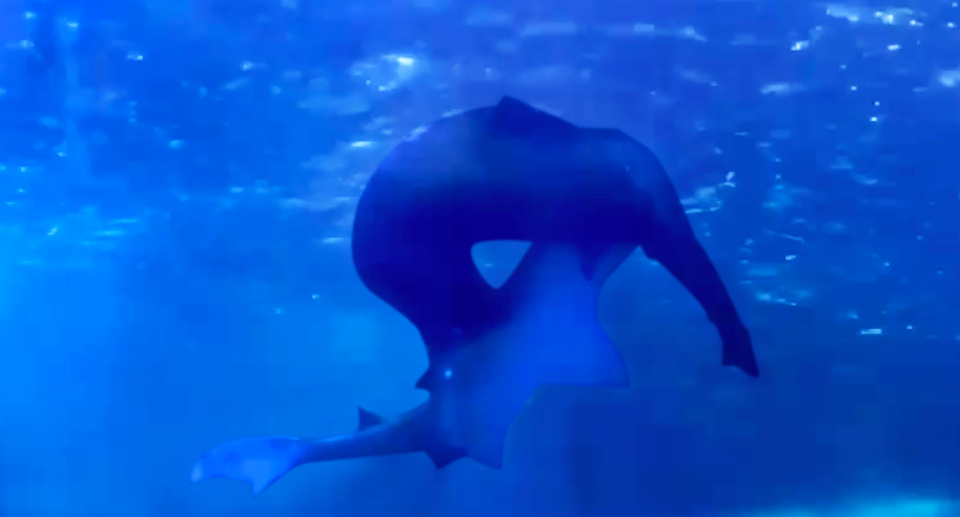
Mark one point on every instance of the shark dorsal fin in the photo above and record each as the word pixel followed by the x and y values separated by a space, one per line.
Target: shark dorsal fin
pixel 513 118
pixel 368 419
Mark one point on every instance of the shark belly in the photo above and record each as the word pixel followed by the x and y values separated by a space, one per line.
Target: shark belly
pixel 553 337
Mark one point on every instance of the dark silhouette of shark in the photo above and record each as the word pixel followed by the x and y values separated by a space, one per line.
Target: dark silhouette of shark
pixel 584 198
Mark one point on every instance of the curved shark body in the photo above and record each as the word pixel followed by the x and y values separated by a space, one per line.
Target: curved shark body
pixel 585 199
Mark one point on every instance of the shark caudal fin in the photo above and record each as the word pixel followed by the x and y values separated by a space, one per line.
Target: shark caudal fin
pixel 258 460
pixel 261 460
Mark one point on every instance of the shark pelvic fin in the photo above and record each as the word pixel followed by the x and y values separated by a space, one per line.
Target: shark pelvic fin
pixel 429 381
pixel 443 456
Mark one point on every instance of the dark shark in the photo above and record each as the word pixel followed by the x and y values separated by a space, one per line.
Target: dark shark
pixel 585 199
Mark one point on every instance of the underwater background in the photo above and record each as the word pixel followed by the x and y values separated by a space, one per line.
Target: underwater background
pixel 178 179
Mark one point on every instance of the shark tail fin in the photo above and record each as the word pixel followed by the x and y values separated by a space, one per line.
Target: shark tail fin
pixel 259 461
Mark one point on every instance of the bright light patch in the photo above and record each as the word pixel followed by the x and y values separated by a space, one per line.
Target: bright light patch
pixel 897 508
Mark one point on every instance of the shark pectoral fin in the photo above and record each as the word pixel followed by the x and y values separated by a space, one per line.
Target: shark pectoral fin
pixel 677 249
pixel 665 234
pixel 258 461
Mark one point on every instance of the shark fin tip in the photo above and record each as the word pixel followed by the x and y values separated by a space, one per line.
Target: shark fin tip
pixel 738 352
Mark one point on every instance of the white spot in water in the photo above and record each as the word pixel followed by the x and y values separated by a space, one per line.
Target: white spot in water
pixel 447 373
pixel 415 134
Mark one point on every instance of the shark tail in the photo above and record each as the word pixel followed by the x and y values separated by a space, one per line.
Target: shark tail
pixel 257 460
pixel 261 460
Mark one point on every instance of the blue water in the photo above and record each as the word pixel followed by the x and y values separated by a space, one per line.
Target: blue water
pixel 178 179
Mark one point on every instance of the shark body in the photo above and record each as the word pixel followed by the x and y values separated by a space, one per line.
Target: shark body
pixel 585 199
